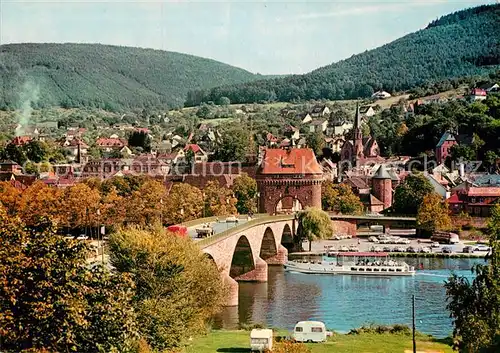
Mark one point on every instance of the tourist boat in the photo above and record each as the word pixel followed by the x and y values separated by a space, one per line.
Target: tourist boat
pixel 355 263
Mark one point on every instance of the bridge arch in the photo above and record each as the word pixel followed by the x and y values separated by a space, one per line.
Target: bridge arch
pixel 268 245
pixel 243 259
pixel 287 237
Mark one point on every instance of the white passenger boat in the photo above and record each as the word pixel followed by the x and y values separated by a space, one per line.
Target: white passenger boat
pixel 355 263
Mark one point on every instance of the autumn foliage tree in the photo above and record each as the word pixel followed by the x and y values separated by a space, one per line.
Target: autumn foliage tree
pixel 184 202
pixel 177 287
pixel 218 201
pixel 340 198
pixel 433 214
pixel 51 299
pixel 40 201
pixel 10 197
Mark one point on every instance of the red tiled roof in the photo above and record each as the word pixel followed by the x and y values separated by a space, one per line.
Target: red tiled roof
pixel 21 140
pixel 454 199
pixel 290 161
pixel 478 92
pixel 486 191
pixel 111 142
pixel 271 138
pixel 193 147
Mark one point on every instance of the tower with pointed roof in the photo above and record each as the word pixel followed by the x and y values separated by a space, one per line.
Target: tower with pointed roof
pixel 382 186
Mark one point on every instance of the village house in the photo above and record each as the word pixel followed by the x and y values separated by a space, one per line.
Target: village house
pixel 318 125
pixel 381 95
pixel 292 132
pixel 334 143
pixel 76 148
pixel 477 201
pixel 443 148
pixel 21 140
pixel 8 166
pixel 366 111
pixel 477 94
pixel 490 87
pixel 111 144
pixel 305 118
pixel 199 154
pixel 319 110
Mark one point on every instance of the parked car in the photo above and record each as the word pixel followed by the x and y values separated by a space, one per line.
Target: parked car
pixel 387 249
pixel 232 219
pixel 426 250
pixel 376 249
pixel 335 237
pixel 353 248
pixel 343 248
pixel 404 241
pixel 82 237
pixel 399 249
pixel 468 250
pixel 411 249
pixel 481 248
pixel 435 245
pixel 446 250
pixel 373 239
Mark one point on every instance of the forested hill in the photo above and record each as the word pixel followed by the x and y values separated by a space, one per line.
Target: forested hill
pixel 460 44
pixel 111 77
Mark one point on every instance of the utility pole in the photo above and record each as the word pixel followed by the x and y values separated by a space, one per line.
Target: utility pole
pixel 413 324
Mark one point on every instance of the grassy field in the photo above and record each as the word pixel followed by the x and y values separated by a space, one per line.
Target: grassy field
pixel 238 342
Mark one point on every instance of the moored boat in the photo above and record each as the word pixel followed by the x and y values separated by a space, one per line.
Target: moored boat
pixel 355 263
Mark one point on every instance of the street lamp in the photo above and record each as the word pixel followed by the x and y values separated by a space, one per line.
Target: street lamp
pixel 101 240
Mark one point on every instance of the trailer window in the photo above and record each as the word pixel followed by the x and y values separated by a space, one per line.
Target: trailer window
pixel 298 329
pixel 316 329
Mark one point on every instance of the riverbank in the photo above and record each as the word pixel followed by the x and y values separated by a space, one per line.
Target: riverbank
pixel 239 341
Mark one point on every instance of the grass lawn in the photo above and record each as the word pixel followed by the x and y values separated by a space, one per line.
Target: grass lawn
pixel 239 341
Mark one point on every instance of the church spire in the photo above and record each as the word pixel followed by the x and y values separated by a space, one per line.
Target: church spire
pixel 357 118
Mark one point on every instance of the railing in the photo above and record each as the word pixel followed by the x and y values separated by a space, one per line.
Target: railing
pixel 259 220
pixel 372 217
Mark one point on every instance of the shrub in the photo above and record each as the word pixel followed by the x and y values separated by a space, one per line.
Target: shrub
pixel 289 347
pixel 381 329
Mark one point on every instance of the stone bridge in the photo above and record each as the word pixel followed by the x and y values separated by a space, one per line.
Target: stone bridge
pixel 244 252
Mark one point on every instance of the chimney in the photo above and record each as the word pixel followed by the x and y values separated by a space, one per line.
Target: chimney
pixel 461 168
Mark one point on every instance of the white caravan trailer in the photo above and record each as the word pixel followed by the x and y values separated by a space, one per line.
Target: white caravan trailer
pixel 309 331
pixel 261 339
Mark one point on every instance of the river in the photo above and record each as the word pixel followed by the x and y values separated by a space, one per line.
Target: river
pixel 346 302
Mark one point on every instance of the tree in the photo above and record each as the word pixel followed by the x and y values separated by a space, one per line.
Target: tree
pixel 140 139
pixel 10 197
pixel 145 205
pixel 314 224
pixel 184 202
pixel 340 198
pixel 50 298
pixel 475 307
pixel 224 101
pixel 234 145
pixel 409 195
pixel 316 141
pixel 245 191
pixel 80 205
pixel 39 202
pixel 113 210
pixel 177 287
pixel 218 201
pixel 433 214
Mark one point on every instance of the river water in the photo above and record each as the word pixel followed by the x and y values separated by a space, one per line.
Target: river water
pixel 345 302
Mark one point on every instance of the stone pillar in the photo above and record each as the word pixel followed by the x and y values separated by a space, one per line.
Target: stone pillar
pixel 280 258
pixel 259 274
pixel 232 285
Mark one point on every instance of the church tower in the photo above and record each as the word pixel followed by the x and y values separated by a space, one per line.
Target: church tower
pixel 358 137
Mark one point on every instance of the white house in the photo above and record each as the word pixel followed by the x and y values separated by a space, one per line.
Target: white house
pixel 366 110
pixel 318 125
pixel 381 95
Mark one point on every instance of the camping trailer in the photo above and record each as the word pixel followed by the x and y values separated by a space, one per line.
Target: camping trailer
pixel 309 331
pixel 261 340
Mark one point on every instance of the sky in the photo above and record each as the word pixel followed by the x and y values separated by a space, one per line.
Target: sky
pixel 267 37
